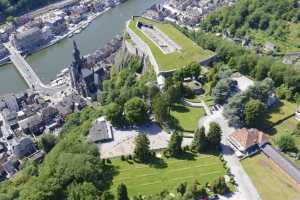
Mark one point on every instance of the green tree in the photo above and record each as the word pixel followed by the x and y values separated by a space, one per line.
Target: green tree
pixel 142 148
pixel 200 143
pixel 174 92
pixel 161 109
pixel 181 188
pixel 84 191
pixel 195 69
pixel 286 143
pixel 214 134
pixel 174 147
pixel 47 142
pixel 223 90
pixel 254 113
pixel 195 191
pixel 135 111
pixel 114 113
pixel 219 186
pixel 122 192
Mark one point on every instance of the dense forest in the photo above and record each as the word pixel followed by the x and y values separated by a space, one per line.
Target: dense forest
pixel 268 15
pixel 10 8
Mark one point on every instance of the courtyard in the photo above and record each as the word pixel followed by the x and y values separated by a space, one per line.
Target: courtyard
pixel 123 140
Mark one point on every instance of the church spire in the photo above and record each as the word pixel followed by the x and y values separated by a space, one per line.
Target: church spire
pixel 76 52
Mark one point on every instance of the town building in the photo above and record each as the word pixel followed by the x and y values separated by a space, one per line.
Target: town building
pixel 246 142
pixel 27 39
pixel 24 148
pixel 86 81
pixel 101 131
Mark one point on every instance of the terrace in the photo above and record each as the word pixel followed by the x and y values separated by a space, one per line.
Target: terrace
pixel 170 48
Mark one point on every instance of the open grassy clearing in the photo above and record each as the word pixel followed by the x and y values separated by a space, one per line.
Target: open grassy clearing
pixel 290 45
pixel 189 52
pixel 186 118
pixel 147 179
pixel 270 181
pixel 281 120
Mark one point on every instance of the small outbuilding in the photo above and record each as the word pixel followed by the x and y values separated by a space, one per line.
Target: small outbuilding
pixel 101 131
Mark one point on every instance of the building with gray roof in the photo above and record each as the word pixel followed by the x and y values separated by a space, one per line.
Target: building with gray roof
pixel 28 39
pixel 100 132
pixel 24 148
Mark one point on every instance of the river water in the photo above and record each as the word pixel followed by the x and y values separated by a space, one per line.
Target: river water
pixel 49 62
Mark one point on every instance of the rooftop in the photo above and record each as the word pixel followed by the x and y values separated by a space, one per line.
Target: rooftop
pixel 100 132
pixel 246 138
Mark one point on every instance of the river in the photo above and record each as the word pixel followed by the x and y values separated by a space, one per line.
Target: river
pixel 48 62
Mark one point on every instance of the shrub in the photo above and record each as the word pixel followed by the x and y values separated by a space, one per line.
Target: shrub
pixel 286 143
pixel 129 157
pixel 123 158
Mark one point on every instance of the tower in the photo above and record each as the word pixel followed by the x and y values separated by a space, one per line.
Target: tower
pixel 82 78
pixel 76 69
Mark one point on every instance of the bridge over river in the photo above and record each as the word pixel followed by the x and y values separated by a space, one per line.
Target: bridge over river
pixel 28 74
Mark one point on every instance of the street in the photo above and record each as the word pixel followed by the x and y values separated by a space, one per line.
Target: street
pixel 245 187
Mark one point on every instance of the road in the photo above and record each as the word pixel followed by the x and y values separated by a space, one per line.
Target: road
pixel 245 189
pixel 28 73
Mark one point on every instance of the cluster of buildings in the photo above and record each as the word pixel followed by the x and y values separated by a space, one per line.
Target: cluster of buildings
pixel 29 33
pixel 185 12
pixel 24 117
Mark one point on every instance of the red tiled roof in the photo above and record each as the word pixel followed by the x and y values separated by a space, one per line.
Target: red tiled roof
pixel 249 137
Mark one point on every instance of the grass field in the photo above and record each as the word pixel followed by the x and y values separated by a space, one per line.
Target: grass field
pixel 189 52
pixel 271 183
pixel 147 179
pixel 186 117
pixel 290 45
pixel 281 120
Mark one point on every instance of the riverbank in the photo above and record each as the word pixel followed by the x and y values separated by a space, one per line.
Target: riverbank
pixel 48 62
pixel 74 30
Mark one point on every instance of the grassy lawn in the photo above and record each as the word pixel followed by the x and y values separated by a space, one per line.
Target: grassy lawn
pixel 271 183
pixel 147 179
pixel 186 118
pixel 281 121
pixel 190 51
pixel 291 44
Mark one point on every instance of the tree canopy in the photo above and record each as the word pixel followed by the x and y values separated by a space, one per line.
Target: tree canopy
pixel 142 148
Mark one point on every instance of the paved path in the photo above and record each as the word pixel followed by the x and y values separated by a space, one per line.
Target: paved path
pixel 286 165
pixel 245 189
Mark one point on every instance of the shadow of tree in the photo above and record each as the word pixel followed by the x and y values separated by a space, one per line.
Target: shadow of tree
pixel 109 172
pixel 268 126
pixel 158 163
pixel 180 108
pixel 186 155
pixel 174 124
